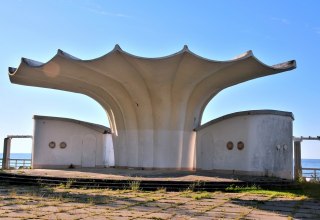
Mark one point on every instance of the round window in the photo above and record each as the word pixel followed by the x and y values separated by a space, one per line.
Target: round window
pixel 240 145
pixel 52 144
pixel 230 145
pixel 63 145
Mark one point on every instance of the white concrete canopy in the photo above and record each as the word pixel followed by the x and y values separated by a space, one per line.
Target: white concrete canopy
pixel 153 104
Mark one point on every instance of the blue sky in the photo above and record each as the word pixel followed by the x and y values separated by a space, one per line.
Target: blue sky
pixel 276 31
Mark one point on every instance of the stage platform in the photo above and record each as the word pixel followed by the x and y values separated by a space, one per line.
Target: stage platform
pixel 115 178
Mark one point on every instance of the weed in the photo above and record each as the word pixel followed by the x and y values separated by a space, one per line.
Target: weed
pixel 257 190
pixel 310 189
pixel 60 186
pixel 134 185
pixel 301 179
pixel 187 193
pixel 91 200
pixel 69 183
pixel 161 190
pixel 201 195
pixel 191 187
pixel 233 188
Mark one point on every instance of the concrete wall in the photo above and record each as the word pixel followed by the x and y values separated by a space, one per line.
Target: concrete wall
pixel 267 138
pixel 86 146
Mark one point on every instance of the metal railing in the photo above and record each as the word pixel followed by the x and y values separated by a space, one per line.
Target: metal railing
pixel 18 163
pixel 311 173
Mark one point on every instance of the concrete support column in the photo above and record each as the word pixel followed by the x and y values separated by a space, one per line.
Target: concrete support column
pixel 297 160
pixel 6 153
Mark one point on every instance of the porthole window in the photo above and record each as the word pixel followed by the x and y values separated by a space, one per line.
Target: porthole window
pixel 240 145
pixel 52 144
pixel 230 145
pixel 63 145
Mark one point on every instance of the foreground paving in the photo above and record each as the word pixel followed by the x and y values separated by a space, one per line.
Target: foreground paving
pixel 62 203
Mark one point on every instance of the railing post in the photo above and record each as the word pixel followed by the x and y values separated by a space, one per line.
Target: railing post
pixel 297 160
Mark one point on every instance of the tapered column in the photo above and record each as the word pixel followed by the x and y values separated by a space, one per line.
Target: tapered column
pixel 6 153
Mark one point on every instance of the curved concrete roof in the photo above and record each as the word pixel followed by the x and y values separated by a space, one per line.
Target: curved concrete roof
pixel 244 113
pixel 153 104
pixel 99 128
pixel 119 75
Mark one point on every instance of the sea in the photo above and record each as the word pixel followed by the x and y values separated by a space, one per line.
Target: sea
pixel 18 155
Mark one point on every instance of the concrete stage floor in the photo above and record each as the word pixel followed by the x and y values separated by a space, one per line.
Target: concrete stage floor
pixel 137 174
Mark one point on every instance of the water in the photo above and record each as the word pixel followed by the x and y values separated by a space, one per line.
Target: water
pixel 311 163
pixel 18 156
pixel 19 163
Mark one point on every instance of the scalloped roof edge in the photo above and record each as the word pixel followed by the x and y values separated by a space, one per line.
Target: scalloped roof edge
pixel 288 65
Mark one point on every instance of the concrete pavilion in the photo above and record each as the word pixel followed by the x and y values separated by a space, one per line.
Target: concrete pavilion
pixel 155 105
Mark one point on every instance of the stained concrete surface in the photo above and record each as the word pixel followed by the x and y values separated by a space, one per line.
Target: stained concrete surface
pixel 138 174
pixel 62 203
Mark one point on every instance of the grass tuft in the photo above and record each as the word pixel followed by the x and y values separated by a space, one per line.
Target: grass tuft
pixel 201 195
pixel 134 185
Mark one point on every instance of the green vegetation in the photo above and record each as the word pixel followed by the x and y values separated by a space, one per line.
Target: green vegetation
pixel 311 189
pixel 161 190
pixel 304 189
pixel 134 185
pixel 69 183
pixel 233 188
pixel 201 195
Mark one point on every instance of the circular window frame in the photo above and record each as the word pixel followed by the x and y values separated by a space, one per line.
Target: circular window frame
pixel 52 144
pixel 63 145
pixel 229 145
pixel 240 145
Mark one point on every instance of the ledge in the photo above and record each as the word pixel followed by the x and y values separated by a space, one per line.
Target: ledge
pixel 244 113
pixel 100 128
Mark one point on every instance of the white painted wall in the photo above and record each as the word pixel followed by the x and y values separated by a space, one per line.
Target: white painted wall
pixel 86 147
pixel 267 138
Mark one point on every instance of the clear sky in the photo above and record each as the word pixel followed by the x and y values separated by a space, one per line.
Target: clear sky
pixel 276 31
